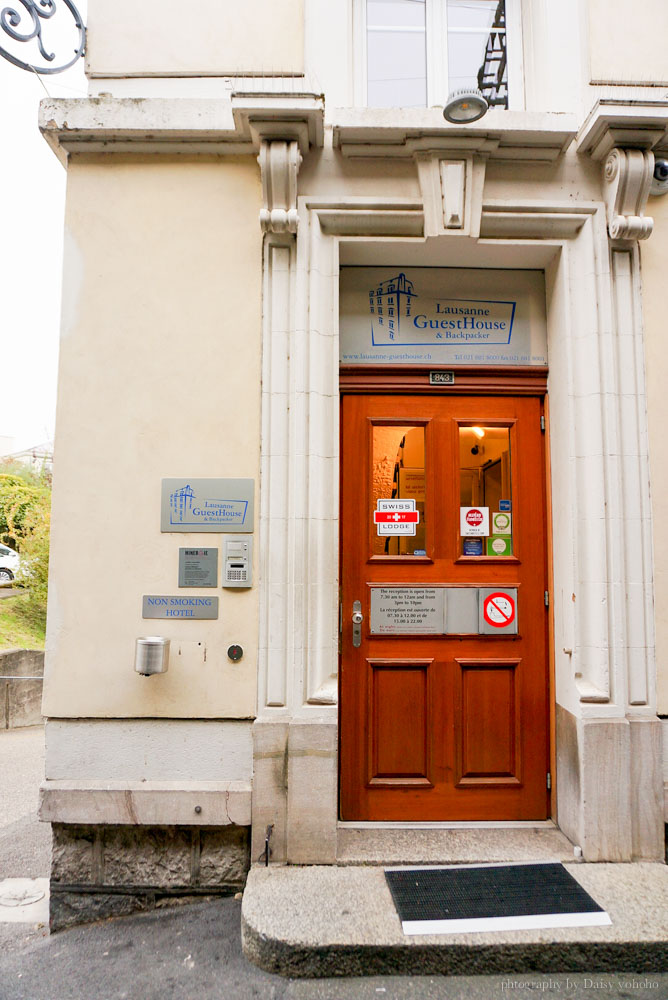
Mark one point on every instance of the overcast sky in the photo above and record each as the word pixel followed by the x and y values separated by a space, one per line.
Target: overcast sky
pixel 32 192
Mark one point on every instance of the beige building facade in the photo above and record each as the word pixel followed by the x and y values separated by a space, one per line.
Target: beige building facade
pixel 223 178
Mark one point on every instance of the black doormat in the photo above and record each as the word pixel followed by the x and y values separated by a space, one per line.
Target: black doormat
pixel 460 898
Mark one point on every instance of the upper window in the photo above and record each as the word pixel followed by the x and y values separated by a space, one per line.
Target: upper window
pixel 417 51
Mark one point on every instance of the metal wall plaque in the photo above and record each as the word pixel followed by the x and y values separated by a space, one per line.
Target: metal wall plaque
pixel 441 378
pixel 198 567
pixel 207 505
pixel 178 606
pixel 407 610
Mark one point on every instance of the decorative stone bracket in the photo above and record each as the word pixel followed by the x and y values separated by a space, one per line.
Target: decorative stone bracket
pixel 451 190
pixel 627 177
pixel 279 163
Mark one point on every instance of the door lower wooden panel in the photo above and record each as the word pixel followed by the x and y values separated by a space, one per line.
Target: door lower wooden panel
pixel 487 724
pixel 400 727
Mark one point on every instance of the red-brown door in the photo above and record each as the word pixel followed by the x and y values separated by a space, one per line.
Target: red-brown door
pixel 444 682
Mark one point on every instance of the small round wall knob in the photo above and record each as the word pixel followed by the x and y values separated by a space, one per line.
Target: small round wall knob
pixel 235 653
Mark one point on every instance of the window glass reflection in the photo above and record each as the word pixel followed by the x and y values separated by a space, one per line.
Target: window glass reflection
pixel 398 473
pixel 486 519
pixel 396 54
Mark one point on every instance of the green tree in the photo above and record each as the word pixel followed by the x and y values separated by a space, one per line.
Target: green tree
pixel 25 522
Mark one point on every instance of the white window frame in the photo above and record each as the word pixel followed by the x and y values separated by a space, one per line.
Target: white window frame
pixel 437 54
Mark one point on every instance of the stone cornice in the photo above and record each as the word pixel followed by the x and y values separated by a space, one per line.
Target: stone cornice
pixel 184 125
pixel 500 135
pixel 612 123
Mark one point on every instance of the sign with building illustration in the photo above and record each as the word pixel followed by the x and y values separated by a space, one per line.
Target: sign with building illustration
pixel 434 315
pixel 207 505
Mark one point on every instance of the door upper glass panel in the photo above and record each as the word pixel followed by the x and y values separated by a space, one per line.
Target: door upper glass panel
pixel 398 474
pixel 485 492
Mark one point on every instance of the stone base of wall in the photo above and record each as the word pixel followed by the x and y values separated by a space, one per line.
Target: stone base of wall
pixel 102 871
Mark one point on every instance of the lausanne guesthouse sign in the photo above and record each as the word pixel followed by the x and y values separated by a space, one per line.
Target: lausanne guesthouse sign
pixel 431 315
pixel 207 505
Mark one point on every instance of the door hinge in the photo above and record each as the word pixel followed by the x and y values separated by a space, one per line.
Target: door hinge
pixel 548 781
pixel 542 423
pixel 340 627
pixel 546 598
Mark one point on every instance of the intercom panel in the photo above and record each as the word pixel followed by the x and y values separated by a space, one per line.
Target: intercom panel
pixel 238 562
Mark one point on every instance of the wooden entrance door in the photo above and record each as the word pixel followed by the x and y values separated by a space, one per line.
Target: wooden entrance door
pixel 444 688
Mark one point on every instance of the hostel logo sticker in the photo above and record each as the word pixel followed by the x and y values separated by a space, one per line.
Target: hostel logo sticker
pixel 499 610
pixel 396 517
pixel 474 522
pixel 501 522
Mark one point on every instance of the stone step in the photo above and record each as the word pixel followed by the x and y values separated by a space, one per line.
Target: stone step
pixel 403 844
pixel 340 921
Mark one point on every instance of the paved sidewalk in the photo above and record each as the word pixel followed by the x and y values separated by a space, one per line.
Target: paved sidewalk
pixel 25 843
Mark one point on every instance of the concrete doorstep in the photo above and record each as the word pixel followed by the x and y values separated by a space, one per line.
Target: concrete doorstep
pixel 341 921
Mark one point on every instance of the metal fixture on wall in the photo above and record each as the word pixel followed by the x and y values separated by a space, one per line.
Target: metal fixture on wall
pixel 464 106
pixel 152 655
pixel 23 24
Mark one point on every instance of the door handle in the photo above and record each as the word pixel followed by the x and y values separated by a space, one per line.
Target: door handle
pixel 357 619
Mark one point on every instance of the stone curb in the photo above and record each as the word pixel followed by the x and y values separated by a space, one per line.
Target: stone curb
pixel 303 962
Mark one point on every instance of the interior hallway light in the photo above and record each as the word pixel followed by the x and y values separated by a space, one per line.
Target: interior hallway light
pixel 464 106
pixel 478 431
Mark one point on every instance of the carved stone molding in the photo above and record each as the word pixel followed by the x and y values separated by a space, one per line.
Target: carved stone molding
pixel 627 177
pixel 451 189
pixel 279 163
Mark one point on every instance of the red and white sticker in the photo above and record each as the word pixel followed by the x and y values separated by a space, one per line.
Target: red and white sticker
pixel 473 522
pixel 404 516
pixel 396 517
pixel 499 609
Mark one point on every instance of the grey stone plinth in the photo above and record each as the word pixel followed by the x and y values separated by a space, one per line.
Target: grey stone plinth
pixel 110 870
pixel 329 921
pixel 224 856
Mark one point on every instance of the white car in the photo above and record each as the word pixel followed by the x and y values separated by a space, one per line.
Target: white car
pixel 9 563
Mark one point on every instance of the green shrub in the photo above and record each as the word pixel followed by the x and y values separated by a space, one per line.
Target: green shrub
pixel 25 521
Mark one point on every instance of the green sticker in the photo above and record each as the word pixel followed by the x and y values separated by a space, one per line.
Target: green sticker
pixel 500 545
pixel 501 522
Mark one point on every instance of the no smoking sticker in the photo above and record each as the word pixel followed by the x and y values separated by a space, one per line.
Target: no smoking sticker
pixel 499 609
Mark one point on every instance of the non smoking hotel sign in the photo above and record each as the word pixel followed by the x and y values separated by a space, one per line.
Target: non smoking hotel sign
pixel 442 315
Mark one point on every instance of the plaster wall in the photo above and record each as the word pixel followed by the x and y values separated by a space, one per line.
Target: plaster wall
pixel 166 38
pixel 159 376
pixel 627 41
pixel 653 258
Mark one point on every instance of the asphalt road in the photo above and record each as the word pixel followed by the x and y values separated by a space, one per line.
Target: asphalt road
pixel 193 952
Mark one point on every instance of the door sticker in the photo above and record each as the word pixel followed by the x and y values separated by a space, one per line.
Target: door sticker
pixel 501 522
pixel 396 517
pixel 474 521
pixel 500 545
pixel 499 609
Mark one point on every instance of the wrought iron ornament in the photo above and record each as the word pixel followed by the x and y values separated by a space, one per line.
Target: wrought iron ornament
pixel 25 25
